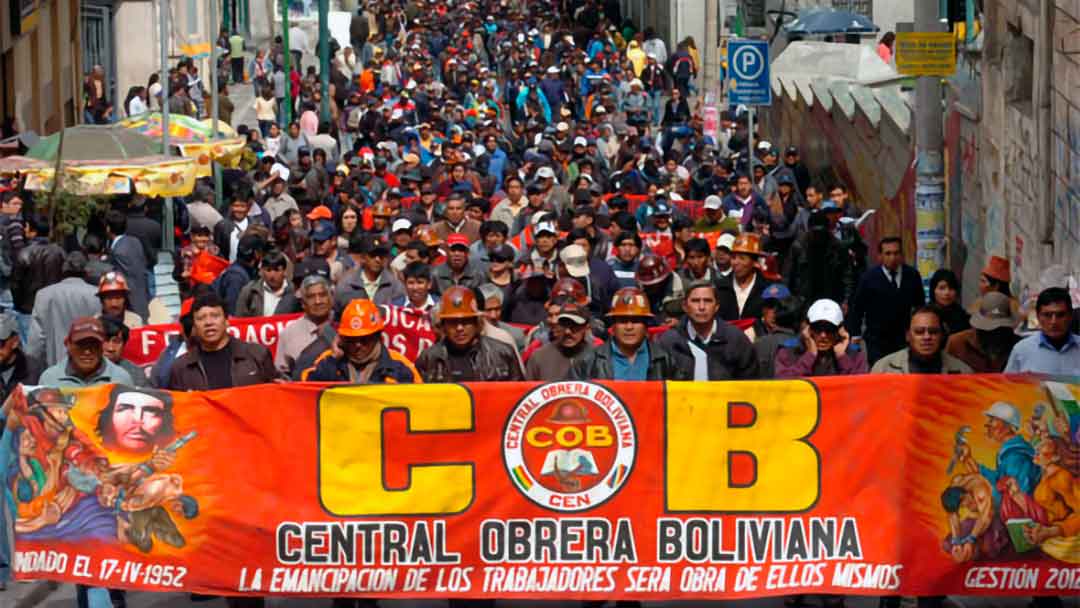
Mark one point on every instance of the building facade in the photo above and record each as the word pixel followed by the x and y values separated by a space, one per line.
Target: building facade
pixel 40 64
pixel 1015 144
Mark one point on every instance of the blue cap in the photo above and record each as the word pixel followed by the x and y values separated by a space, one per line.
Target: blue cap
pixel 662 208
pixel 776 291
pixel 785 177
pixel 323 231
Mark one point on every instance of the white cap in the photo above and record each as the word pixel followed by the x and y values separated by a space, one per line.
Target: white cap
pixel 726 240
pixel 825 310
pixel 562 126
pixel 545 173
pixel 553 70
pixel 600 110
pixel 545 227
pixel 281 171
pixel 401 223
pixel 577 262
pixel 1005 412
pixel 636 83
pixel 411 85
pixel 580 141
pixel 396 114
pixel 652 56
pixel 674 196
pixel 764 146
pixel 713 202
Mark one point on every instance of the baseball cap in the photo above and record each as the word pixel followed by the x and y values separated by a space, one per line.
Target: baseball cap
pixel 776 291
pixel 502 253
pixel 322 212
pixel 575 313
pixel 785 178
pixel 401 224
pixel 534 188
pixel 324 231
pixel 457 240
pixel 8 325
pixel 825 310
pixel 662 208
pixel 829 205
pixel 577 262
pixel 580 141
pixel 86 327
pixel 764 145
pixel 547 227
pixel 545 173
pixel 713 202
pixel 791 151
pixel 311 266
pixel 369 243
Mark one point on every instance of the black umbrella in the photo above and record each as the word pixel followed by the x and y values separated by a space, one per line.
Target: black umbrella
pixel 817 21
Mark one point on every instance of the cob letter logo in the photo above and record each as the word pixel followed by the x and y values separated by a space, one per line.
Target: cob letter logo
pixel 569 446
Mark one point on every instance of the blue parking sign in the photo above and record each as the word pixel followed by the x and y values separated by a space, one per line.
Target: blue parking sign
pixel 748 73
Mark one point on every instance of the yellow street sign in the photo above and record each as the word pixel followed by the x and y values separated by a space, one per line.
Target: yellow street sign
pixel 926 53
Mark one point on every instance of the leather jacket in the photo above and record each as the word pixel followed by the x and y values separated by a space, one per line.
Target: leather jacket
pixel 38 265
pixel 492 361
pixel 596 364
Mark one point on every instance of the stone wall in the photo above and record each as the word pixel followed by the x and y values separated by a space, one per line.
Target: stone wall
pixel 1026 206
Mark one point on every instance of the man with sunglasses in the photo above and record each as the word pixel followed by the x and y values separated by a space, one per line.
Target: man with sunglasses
pixel 824 347
pixel 925 353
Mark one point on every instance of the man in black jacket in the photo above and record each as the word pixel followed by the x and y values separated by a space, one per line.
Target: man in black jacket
pixel 38 264
pixel 127 255
pixel 231 282
pixel 740 297
pixel 719 350
pixel 463 354
pixel 627 355
pixel 884 300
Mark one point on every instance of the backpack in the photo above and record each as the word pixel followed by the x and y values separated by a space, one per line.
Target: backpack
pixel 682 67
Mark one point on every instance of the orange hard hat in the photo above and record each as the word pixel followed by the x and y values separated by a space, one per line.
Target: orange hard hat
pixel 748 243
pixel 381 209
pixel 360 318
pixel 112 281
pixel 630 302
pixel 428 236
pixel 458 303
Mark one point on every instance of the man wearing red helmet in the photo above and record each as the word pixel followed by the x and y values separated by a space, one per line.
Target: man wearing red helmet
pixel 113 292
pixel 663 287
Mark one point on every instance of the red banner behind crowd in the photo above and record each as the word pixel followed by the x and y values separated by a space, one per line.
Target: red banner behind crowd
pixel 407 331
pixel 654 491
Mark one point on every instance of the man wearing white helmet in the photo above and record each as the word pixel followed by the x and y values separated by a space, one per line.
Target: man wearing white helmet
pixel 1015 458
pixel 824 347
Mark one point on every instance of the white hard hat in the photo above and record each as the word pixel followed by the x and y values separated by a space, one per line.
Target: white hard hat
pixel 825 310
pixel 1005 412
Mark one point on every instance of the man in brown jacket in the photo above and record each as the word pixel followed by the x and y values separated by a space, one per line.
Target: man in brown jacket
pixel 986 346
pixel 217 360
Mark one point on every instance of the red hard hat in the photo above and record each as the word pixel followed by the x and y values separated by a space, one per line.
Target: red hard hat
pixel 652 270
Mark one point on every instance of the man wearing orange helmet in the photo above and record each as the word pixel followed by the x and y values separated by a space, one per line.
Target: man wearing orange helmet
pixel 740 298
pixel 628 355
pixel 463 354
pixel 358 355
pixel 113 292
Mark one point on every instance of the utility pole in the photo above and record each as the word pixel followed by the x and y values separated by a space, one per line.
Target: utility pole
pixel 167 219
pixel 215 103
pixel 930 161
pixel 324 59
pixel 288 62
pixel 712 48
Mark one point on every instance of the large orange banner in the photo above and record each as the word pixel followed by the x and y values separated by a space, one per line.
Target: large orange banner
pixel 871 485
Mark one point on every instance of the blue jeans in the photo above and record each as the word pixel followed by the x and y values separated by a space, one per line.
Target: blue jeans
pixel 654 102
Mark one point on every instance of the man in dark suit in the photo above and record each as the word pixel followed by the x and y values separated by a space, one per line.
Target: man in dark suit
pixel 884 299
pixel 146 229
pixel 126 255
